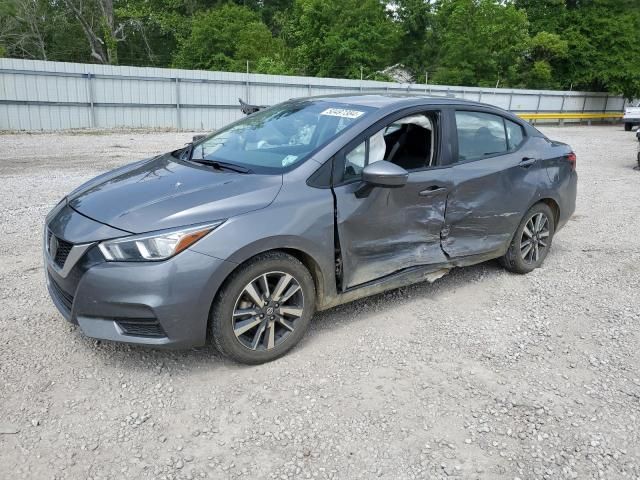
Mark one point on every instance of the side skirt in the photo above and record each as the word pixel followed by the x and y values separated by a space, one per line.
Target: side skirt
pixel 403 278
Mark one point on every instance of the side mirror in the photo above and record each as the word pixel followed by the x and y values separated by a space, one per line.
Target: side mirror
pixel 384 174
pixel 381 174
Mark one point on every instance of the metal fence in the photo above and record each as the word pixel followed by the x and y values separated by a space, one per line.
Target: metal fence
pixel 39 95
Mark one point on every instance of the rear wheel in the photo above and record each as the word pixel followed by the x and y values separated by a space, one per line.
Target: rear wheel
pixel 263 309
pixel 532 240
pixel 627 127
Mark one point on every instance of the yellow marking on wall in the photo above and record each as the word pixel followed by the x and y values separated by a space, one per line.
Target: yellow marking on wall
pixel 568 116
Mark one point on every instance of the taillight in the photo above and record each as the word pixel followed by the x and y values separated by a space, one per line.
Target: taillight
pixel 571 157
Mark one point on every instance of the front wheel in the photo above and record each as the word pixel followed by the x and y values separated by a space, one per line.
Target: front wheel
pixel 532 240
pixel 627 127
pixel 263 309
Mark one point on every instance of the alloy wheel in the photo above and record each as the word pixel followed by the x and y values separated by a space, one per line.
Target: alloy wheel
pixel 267 310
pixel 535 238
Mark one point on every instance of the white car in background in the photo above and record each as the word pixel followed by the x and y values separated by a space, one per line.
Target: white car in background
pixel 631 116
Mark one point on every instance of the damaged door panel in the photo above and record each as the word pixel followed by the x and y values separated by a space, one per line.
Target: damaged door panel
pixel 393 228
pixel 485 206
pixel 497 178
pixel 381 230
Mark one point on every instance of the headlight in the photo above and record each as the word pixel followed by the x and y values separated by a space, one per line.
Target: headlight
pixel 154 246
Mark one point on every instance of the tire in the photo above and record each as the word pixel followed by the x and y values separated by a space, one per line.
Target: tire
pixel 627 127
pixel 267 331
pixel 520 260
pixel 639 160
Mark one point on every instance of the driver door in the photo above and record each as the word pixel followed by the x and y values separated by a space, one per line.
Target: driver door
pixel 386 230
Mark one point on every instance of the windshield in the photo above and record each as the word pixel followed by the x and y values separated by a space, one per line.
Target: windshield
pixel 275 139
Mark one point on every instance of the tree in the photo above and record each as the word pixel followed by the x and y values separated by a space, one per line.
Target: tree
pixel 544 15
pixel 482 42
pixel 417 48
pixel 39 29
pixel 338 38
pixel 224 38
pixel 602 38
pixel 102 28
pixel 546 52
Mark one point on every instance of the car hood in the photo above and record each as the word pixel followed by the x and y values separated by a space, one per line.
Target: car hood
pixel 164 193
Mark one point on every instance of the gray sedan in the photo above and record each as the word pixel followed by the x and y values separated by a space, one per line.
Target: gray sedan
pixel 242 235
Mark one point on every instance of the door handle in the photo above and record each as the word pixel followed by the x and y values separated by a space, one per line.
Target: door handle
pixel 432 190
pixel 526 162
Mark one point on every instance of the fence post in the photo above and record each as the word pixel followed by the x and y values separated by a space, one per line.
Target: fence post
pixel 510 100
pixel 480 96
pixel 561 122
pixel 538 106
pixel 92 114
pixel 606 103
pixel 247 84
pixel 178 120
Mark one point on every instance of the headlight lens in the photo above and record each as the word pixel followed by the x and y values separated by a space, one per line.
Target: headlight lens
pixel 154 246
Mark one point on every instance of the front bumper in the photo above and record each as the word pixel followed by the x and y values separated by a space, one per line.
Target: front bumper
pixel 154 303
pixel 164 304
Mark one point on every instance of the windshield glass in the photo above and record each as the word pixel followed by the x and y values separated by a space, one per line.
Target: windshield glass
pixel 275 139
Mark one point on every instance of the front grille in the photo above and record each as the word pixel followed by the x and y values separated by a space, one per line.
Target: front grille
pixel 141 328
pixel 62 252
pixel 64 298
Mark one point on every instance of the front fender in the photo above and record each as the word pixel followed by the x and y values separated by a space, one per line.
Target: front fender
pixel 306 227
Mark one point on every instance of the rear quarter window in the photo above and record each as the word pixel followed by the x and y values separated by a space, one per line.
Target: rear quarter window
pixel 515 135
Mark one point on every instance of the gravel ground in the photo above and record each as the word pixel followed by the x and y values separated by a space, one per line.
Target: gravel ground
pixel 483 374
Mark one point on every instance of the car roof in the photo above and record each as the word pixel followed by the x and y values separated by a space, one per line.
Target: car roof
pixel 381 100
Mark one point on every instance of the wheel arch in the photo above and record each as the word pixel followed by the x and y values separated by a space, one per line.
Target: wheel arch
pixel 294 247
pixel 554 206
pixel 308 260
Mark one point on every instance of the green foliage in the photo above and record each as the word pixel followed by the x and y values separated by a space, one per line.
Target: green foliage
pixel 548 46
pixel 225 38
pixel 483 42
pixel 583 44
pixel 336 38
pixel 604 41
pixel 417 48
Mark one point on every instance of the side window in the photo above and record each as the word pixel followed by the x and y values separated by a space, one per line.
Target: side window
pixel 355 161
pixel 371 150
pixel 515 135
pixel 408 142
pixel 480 135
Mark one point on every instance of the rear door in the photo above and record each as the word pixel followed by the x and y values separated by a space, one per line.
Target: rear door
pixel 391 229
pixel 497 175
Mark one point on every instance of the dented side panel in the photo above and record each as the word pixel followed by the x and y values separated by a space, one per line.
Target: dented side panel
pixel 488 201
pixel 393 228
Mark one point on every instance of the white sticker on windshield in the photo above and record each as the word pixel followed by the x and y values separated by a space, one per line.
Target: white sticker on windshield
pixel 342 112
pixel 288 160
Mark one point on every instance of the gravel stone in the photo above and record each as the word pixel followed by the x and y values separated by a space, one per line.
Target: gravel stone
pixel 480 375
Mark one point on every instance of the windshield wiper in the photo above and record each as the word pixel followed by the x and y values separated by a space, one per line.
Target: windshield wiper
pixel 222 165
